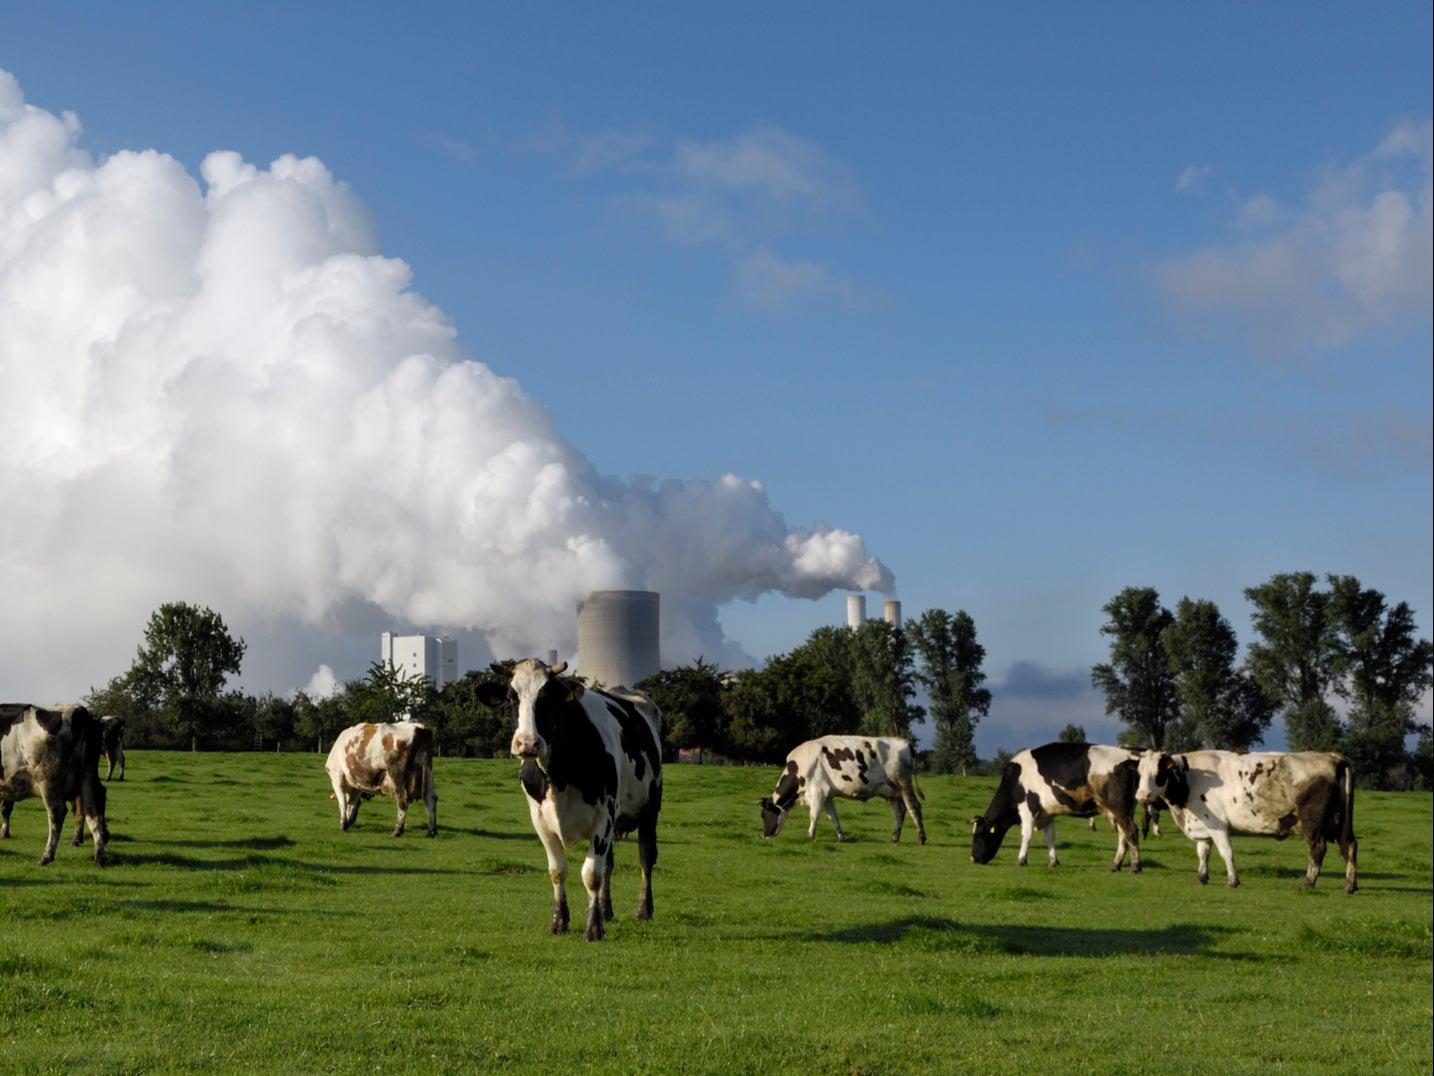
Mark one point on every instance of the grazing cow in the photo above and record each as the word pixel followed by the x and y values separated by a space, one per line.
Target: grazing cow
pixel 53 754
pixel 112 740
pixel 384 760
pixel 1042 783
pixel 1212 794
pixel 857 767
pixel 592 770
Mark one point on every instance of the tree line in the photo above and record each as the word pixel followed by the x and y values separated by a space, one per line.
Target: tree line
pixel 1339 664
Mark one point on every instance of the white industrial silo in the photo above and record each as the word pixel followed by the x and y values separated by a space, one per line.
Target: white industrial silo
pixel 891 613
pixel 855 611
pixel 617 636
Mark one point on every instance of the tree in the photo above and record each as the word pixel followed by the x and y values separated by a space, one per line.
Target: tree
pixel 883 679
pixel 182 668
pixel 1072 734
pixel 1383 671
pixel 1221 706
pixel 465 724
pixel 950 670
pixel 1138 681
pixel 690 699
pixel 276 719
pixel 755 730
pixel 1294 661
pixel 322 719
pixel 810 688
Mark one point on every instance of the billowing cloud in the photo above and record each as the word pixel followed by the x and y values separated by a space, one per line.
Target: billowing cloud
pixel 1353 258
pixel 218 390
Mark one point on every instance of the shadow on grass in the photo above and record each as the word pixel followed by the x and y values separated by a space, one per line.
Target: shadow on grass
pixel 932 933
pixel 255 862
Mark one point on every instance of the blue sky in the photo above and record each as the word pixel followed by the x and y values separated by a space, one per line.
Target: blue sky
pixel 1040 302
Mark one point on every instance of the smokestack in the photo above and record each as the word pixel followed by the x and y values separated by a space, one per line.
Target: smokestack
pixel 617 636
pixel 891 613
pixel 552 657
pixel 855 611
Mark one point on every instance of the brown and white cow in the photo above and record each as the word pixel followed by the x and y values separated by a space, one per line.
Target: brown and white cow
pixel 857 767
pixel 1212 794
pixel 384 760
pixel 1042 783
pixel 53 754
pixel 592 771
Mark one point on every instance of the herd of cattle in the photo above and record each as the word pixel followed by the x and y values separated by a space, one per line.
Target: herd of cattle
pixel 592 772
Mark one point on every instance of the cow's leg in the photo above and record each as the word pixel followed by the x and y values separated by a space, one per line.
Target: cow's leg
pixel 1317 846
pixel 1049 829
pixel 899 810
pixel 79 836
pixel 55 808
pixel 1202 860
pixel 595 878
pixel 913 805
pixel 5 808
pixel 1028 830
pixel 1227 853
pixel 1350 850
pixel 557 868
pixel 646 860
pixel 402 818
pixel 121 766
pixel 1127 839
pixel 91 801
pixel 836 822
pixel 430 802
pixel 605 894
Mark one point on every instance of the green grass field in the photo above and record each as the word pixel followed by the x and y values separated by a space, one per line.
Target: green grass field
pixel 237 929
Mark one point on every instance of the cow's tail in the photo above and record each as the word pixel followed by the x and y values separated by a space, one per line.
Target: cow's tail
pixel 420 764
pixel 916 786
pixel 1346 789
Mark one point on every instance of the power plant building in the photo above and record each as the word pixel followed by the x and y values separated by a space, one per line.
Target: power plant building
pixel 433 656
pixel 618 637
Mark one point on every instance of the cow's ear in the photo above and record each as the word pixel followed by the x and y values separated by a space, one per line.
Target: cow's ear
pixel 575 690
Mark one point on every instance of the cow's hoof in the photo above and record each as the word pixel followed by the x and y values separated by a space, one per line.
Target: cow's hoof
pixel 1135 868
pixel 1351 888
pixel 1233 884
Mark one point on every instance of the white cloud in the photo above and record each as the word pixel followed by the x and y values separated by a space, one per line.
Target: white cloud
pixel 1353 258
pixel 223 393
pixel 1193 177
pixel 768 282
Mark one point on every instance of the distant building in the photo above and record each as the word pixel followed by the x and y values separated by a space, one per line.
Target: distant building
pixel 433 656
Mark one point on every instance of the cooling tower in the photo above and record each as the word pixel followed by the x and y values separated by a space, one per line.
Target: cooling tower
pixel 617 636
pixel 891 613
pixel 855 611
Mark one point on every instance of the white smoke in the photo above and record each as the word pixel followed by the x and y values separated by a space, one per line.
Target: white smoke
pixel 222 393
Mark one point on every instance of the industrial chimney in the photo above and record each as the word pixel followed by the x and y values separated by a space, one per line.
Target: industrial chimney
pixel 891 613
pixel 855 611
pixel 617 636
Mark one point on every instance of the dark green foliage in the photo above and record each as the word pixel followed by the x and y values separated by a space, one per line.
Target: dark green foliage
pixel 690 699
pixel 950 670
pixel 1293 661
pixel 1221 706
pixel 1139 681
pixel 180 671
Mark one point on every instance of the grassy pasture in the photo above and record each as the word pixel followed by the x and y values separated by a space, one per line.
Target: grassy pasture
pixel 238 930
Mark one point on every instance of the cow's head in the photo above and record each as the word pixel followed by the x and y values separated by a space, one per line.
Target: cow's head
pixel 534 696
pixel 1163 776
pixel 986 837
pixel 776 806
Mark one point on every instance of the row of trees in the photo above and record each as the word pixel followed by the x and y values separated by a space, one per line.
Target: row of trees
pixel 1340 665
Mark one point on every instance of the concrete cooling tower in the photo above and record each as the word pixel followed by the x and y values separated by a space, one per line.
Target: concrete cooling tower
pixel 617 636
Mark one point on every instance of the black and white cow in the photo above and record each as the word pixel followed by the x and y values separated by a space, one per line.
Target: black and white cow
pixel 112 743
pixel 384 760
pixel 1042 783
pixel 857 767
pixel 1212 794
pixel 592 771
pixel 53 754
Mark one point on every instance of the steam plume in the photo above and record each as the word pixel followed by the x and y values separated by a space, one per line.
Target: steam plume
pixel 218 390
